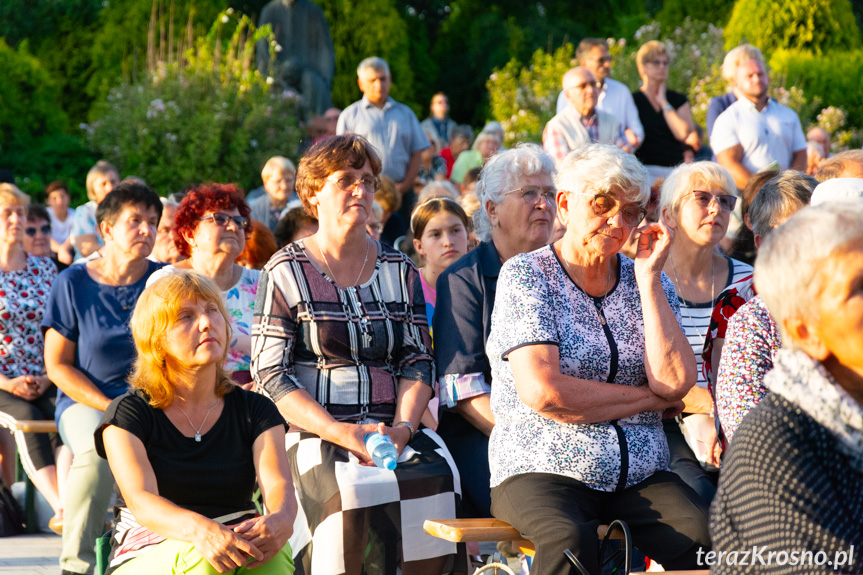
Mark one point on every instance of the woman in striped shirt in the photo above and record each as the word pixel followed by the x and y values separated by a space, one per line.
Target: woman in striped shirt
pixel 696 203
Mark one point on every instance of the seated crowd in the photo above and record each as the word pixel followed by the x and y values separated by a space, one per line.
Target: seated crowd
pixel 610 326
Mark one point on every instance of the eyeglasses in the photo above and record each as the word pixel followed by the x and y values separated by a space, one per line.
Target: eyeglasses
pixel 532 194
pixel 349 183
pixel 604 59
pixel 605 206
pixel 46 229
pixel 223 219
pixel 703 199
pixel 659 63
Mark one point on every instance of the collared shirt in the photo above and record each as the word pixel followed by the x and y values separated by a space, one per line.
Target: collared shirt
pixel 558 144
pixel 615 99
pixel 771 135
pixel 393 130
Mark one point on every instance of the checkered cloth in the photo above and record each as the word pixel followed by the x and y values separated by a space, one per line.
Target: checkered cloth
pixel 351 515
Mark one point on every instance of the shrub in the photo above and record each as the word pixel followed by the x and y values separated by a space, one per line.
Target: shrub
pixel 817 26
pixel 207 116
pixel 835 78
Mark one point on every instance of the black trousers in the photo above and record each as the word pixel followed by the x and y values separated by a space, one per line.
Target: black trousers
pixel 36 449
pixel 667 519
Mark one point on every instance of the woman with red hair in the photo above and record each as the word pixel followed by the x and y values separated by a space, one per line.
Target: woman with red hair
pixel 210 228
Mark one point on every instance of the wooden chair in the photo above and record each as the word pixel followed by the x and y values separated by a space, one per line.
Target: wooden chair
pixel 29 426
pixel 490 529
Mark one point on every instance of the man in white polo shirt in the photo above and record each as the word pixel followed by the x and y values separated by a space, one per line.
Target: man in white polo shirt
pixel 755 131
pixel 613 97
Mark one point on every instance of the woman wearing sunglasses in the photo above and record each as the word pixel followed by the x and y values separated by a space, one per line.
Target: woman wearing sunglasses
pixel 210 229
pixel 587 355
pixel 697 201
pixel 341 339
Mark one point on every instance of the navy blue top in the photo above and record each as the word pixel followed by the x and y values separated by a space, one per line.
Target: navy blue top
pixel 462 319
pixel 718 104
pixel 95 317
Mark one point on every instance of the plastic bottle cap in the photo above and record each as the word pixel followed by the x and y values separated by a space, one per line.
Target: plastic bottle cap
pixel 389 463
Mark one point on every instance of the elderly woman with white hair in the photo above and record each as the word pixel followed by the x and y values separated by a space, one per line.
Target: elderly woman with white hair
pixel 696 202
pixel 792 484
pixel 580 391
pixel 516 215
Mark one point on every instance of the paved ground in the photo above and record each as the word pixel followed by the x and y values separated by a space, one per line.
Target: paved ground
pixel 30 554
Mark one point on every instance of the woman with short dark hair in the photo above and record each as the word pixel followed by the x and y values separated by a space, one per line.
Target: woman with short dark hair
pixel 341 344
pixel 89 351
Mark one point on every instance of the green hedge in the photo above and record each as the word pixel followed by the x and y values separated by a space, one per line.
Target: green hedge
pixel 818 26
pixel 836 78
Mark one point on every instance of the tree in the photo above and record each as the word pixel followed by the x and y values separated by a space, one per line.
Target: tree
pixel 363 29
pixel 816 26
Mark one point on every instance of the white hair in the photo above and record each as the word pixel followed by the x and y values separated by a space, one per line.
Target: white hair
pixel 502 173
pixel 688 177
pixel 277 163
pixel 438 189
pixel 485 136
pixel 789 271
pixel 604 168
pixel 375 63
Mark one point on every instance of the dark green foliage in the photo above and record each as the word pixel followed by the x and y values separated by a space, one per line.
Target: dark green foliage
pixel 817 26
pixel 836 79
pixel 674 12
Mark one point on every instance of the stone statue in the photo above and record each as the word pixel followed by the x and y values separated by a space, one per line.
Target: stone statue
pixel 305 56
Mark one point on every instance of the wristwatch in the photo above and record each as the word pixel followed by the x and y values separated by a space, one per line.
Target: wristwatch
pixel 406 424
pixel 667 108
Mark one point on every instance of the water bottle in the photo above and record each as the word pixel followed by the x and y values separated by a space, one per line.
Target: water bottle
pixel 382 450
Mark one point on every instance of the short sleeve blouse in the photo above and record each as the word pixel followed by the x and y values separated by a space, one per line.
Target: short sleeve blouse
pixel 95 317
pixel 214 477
pixel 23 297
pixel 537 303
pixel 347 347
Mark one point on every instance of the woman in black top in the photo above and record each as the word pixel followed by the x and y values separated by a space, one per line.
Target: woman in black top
pixel 665 114
pixel 186 446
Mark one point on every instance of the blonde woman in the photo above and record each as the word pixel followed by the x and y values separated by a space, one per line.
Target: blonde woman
pixel 187 447
pixel 665 114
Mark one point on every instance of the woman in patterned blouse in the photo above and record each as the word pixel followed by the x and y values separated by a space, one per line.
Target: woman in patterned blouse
pixel 791 489
pixel 211 227
pixel 341 344
pixel 579 390
pixel 25 390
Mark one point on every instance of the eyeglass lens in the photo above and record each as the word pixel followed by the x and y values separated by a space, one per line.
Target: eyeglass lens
pixel 603 206
pixel 531 195
pixel 223 219
pixel 726 201
pixel 348 183
pixel 46 229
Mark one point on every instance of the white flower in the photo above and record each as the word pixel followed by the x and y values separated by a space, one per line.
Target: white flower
pixel 253 143
pixel 278 48
pixel 225 19
pixel 230 10
pixel 84 126
pixel 269 80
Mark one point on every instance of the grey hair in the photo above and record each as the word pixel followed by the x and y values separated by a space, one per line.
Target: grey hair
pixel 485 136
pixel 502 174
pixel 736 56
pixel 375 63
pixel 789 270
pixel 778 199
pixel 462 131
pixel 835 166
pixel 279 163
pixel 168 203
pixel 686 177
pixel 603 168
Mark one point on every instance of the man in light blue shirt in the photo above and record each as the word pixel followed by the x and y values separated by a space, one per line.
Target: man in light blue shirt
pixel 614 97
pixel 391 127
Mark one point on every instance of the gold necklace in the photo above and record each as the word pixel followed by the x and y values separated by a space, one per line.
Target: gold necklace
pixel 330 271
pixel 607 286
